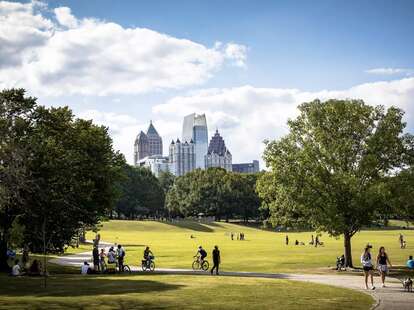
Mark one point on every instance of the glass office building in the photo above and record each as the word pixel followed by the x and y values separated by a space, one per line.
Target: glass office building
pixel 195 130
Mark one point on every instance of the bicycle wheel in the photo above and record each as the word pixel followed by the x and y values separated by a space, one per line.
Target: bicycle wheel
pixel 196 265
pixel 127 269
pixel 152 266
pixel 144 266
pixel 205 266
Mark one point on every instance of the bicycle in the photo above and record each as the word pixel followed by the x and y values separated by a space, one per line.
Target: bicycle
pixel 203 266
pixel 126 269
pixel 148 264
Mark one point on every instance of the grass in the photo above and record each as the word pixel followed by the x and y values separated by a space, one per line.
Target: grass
pixel 173 292
pixel 263 251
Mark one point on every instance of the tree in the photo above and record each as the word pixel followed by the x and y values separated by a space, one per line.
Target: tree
pixel 166 180
pixel 141 194
pixel 330 171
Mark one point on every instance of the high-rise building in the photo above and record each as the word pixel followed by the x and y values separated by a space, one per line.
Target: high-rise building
pixel 147 144
pixel 181 157
pixel 217 154
pixel 195 129
pixel 155 163
pixel 252 167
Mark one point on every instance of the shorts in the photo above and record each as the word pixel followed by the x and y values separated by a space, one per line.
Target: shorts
pixel 368 268
pixel 383 268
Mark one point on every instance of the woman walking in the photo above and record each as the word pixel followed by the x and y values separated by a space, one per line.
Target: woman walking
pixel 382 264
pixel 367 266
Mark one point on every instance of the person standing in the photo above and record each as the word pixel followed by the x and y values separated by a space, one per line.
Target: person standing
pixel 382 264
pixel 216 260
pixel 121 256
pixel 316 241
pixel 287 240
pixel 95 255
pixel 367 266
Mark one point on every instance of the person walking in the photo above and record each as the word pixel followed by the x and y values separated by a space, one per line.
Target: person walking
pixel 287 240
pixel 367 266
pixel 382 264
pixel 216 260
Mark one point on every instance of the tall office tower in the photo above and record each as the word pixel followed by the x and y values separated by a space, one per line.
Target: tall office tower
pixel 195 129
pixel 218 155
pixel 154 141
pixel 181 157
pixel 140 147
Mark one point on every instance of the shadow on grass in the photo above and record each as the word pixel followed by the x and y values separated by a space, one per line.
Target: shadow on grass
pixel 191 225
pixel 78 285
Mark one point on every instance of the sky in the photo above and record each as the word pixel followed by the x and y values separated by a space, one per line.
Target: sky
pixel 246 64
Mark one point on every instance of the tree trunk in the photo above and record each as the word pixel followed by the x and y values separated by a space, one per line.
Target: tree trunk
pixel 348 252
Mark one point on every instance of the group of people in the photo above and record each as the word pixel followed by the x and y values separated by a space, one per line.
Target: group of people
pixel 35 269
pixel 99 264
pixel 314 241
pixel 202 254
pixel 239 236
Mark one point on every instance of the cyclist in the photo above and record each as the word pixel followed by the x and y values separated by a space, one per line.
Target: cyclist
pixel 148 255
pixel 120 253
pixel 202 254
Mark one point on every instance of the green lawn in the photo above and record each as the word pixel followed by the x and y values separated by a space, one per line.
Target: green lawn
pixel 262 250
pixel 173 292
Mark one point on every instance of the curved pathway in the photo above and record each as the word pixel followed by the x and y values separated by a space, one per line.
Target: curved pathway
pixel 390 298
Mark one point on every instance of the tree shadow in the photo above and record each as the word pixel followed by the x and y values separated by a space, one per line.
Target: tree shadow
pixel 78 285
pixel 191 225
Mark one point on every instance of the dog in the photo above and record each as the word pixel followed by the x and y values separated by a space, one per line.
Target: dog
pixel 408 285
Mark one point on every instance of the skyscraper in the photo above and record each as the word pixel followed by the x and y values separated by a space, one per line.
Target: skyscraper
pixel 195 129
pixel 181 157
pixel 218 155
pixel 147 144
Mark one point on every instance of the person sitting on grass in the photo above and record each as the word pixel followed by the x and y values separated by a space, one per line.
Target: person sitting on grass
pixel 34 269
pixel 410 262
pixel 85 268
pixel 16 269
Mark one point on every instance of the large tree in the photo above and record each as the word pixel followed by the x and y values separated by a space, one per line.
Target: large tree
pixel 330 172
pixel 57 173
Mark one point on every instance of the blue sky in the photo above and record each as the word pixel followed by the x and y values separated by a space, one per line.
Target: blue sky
pixel 272 56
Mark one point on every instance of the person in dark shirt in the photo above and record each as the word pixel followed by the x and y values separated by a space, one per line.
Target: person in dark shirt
pixel 95 255
pixel 216 260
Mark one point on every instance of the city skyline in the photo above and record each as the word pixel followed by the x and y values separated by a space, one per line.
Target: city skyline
pixel 246 69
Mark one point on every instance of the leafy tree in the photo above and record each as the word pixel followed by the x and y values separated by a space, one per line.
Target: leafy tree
pixel 330 171
pixel 141 194
pixel 166 180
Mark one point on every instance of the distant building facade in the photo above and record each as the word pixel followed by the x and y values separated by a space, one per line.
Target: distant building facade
pixel 182 157
pixel 195 129
pixel 156 163
pixel 217 154
pixel 147 144
pixel 252 167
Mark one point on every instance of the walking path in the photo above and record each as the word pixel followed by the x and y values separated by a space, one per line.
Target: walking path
pixel 390 298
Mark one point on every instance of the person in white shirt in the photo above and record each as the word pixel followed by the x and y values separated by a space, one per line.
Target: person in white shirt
pixel 368 266
pixel 111 256
pixel 85 268
pixel 16 270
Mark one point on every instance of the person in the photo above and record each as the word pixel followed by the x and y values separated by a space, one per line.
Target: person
pixel 148 255
pixel 202 254
pixel 401 240
pixel 25 256
pixel 312 240
pixel 382 264
pixel 34 269
pixel 102 256
pixel 296 242
pixel 95 255
pixel 85 268
pixel 121 256
pixel 16 269
pixel 287 240
pixel 216 260
pixel 367 266
pixel 410 262
pixel 232 236
pixel 316 241
pixel 111 256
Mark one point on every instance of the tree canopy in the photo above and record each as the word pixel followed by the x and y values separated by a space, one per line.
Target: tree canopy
pixel 330 172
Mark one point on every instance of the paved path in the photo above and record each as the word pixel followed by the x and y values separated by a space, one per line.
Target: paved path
pixel 390 298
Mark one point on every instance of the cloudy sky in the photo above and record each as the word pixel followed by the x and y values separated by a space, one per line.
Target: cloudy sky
pixel 246 64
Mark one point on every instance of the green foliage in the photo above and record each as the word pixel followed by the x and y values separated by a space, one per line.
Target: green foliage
pixel 213 192
pixel 166 180
pixel 17 232
pixel 330 172
pixel 57 173
pixel 141 194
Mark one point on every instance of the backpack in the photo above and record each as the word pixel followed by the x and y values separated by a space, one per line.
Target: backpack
pixel 203 253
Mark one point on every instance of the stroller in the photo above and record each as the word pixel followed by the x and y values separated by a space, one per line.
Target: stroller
pixel 340 263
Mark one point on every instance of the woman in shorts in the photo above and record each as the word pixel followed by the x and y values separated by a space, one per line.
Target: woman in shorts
pixel 382 264
pixel 367 266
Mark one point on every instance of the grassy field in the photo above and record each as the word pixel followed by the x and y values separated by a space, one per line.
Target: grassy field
pixel 263 251
pixel 173 292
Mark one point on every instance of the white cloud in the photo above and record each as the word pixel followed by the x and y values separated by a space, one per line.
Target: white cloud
pixel 389 71
pixel 67 55
pixel 248 115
